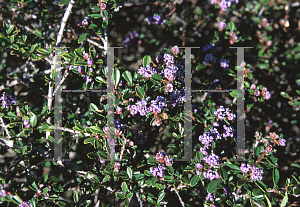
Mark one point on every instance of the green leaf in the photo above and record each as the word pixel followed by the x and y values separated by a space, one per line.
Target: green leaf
pixel 156 77
pixel 269 203
pixel 96 130
pixel 89 140
pixel 284 94
pixel 15 46
pixel 93 107
pixel 140 92
pixel 117 76
pixel 223 173
pixel 128 77
pixel 82 38
pixel 150 200
pixel 100 79
pixel 38 33
pixel 129 172
pixel 75 193
pixel 120 195
pixel 257 192
pixel 17 199
pixel 285 200
pixel 124 187
pixel 275 176
pixel 146 60
pixel 33 119
pixel 161 196
pixel 195 179
pixel 41 50
pixel 213 186
pixel 63 2
pixel 9 29
pixel 231 26
pixel 78 53
pixel 95 16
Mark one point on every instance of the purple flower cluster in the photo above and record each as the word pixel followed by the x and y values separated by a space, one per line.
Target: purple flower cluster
pixel 175 50
pixel 212 159
pixel 210 197
pixel 155 19
pixel 221 25
pixel 127 41
pixel 25 204
pixel 245 168
pixel 282 142
pixel 119 127
pixel 26 123
pixel 7 100
pixel 222 112
pixel 224 4
pixel 164 159
pixel 168 59
pixel 3 193
pixel 141 107
pixel 210 174
pixel 169 87
pixel 117 166
pixel 170 72
pixel 157 171
pixel 177 97
pixel 265 93
pixel 209 59
pixel 255 172
pixel 83 23
pixel 224 63
pixel 147 71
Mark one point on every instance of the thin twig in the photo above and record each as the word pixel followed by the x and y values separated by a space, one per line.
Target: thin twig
pixel 180 199
pixel 139 199
pixel 61 82
pixel 105 43
pixel 59 37
pixel 95 43
pixel 5 127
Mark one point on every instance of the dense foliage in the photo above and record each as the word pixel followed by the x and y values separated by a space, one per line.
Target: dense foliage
pixel 149 103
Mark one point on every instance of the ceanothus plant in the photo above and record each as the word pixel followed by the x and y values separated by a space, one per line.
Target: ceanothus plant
pixel 149 106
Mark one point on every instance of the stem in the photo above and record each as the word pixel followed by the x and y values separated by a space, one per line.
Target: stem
pixel 180 199
pixel 59 37
pixel 5 127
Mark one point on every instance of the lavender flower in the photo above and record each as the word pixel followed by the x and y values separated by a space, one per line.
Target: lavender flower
pixel 147 71
pixel 157 171
pixel 210 197
pixel 209 59
pixel 25 204
pixel 224 63
pixel 84 22
pixel 169 87
pixel 244 168
pixel 88 79
pixel 168 59
pixel 7 100
pixel 81 69
pixel 159 58
pixel 117 167
pixel 199 165
pixel 209 174
pixel 3 193
pixel 282 142
pixel 175 50
pixel 89 62
pixel 212 159
pixel 222 25
pixel 256 173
